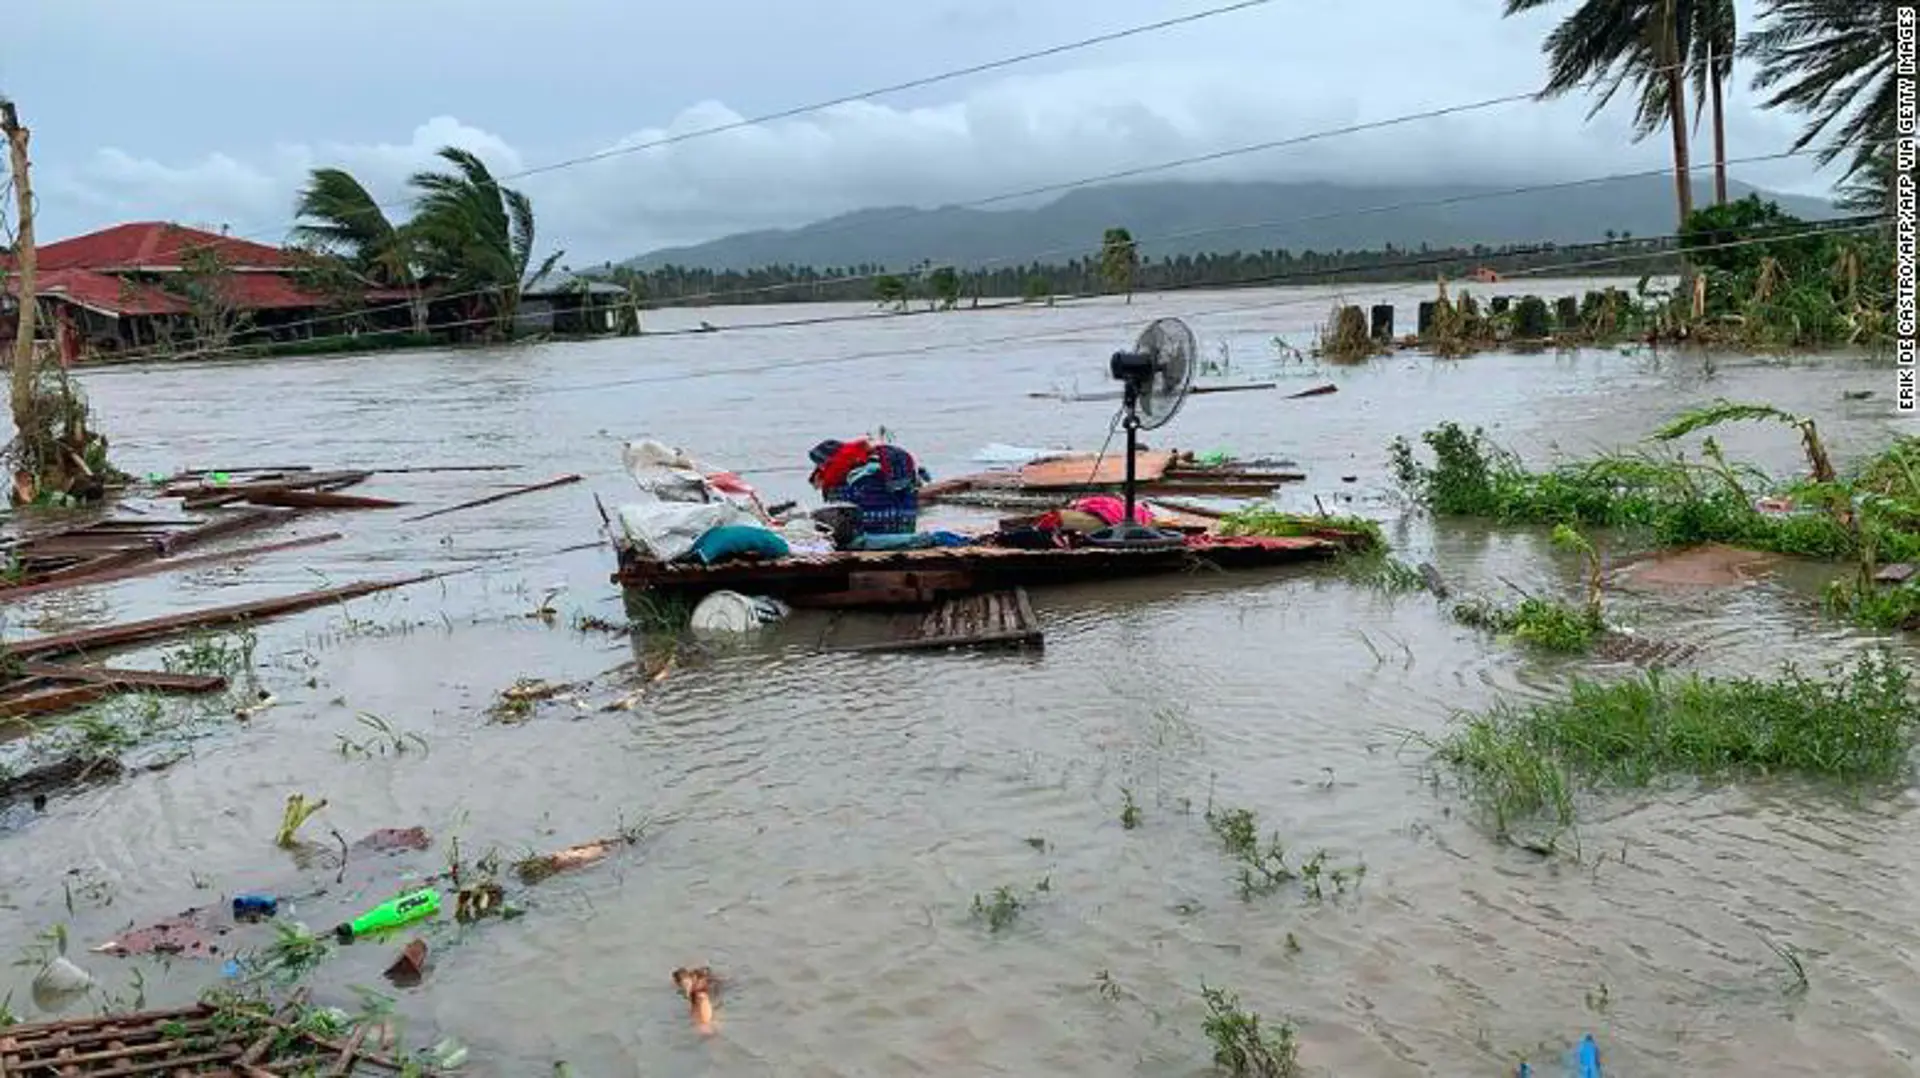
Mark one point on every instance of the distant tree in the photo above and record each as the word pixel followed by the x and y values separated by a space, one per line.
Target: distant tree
pixel 943 285
pixel 891 290
pixel 1119 259
pixel 1036 288
pixel 205 284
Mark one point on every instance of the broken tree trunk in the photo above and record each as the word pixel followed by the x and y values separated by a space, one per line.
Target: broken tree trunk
pixel 26 266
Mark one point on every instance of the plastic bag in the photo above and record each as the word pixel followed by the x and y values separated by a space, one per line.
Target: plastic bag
pixel 663 473
pixel 667 530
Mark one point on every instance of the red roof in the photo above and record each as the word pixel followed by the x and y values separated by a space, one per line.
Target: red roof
pixel 155 245
pixel 100 292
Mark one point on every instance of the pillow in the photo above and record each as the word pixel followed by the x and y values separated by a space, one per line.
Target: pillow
pixel 739 541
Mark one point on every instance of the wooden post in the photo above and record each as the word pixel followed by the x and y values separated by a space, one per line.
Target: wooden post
pixel 1567 311
pixel 1382 322
pixel 26 262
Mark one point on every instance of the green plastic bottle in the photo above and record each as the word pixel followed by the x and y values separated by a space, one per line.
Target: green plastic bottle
pixel 391 914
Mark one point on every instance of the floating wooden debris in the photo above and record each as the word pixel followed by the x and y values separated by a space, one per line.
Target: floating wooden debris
pixel 1002 619
pixel 202 493
pixel 532 870
pixel 1642 651
pixel 516 492
pixel 160 565
pixel 41 688
pixel 320 499
pixel 173 624
pixel 66 773
pixel 192 1041
pixel 113 544
pixel 1157 474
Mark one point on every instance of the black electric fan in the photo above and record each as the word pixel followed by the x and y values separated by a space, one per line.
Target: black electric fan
pixel 1155 378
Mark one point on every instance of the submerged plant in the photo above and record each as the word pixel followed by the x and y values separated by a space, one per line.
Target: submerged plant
pixel 999 909
pixel 1264 868
pixel 299 810
pixel 1854 725
pixel 1242 1046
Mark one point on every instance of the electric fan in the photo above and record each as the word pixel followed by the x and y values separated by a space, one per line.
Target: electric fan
pixel 1155 378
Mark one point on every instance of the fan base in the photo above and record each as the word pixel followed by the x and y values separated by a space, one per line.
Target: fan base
pixel 1136 537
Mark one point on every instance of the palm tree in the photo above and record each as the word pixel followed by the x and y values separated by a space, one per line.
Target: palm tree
pixel 1609 43
pixel 1715 40
pixel 1119 258
pixel 1832 59
pixel 338 216
pixel 476 234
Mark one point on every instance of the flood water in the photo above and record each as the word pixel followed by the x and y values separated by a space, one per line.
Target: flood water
pixel 819 823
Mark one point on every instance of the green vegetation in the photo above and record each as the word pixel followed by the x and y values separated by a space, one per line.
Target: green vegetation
pixel 1268 521
pixel 1242 1046
pixel 1855 725
pixel 1264 868
pixel 1674 501
pixel 1001 907
pixel 1542 623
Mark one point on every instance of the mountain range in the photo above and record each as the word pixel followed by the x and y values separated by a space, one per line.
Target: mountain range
pixel 1194 218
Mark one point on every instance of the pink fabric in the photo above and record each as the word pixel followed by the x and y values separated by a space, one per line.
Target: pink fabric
pixel 1110 509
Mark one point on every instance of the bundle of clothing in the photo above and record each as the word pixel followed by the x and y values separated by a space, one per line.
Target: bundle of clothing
pixel 1066 528
pixel 881 481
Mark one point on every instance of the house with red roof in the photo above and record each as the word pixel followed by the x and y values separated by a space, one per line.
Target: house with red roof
pixel 155 286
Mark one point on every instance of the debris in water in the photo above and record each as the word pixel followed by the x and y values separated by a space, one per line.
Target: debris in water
pixel 58 983
pixel 255 907
pixel 261 703
pixel 532 870
pixel 395 839
pixel 517 700
pixel 478 900
pixel 411 967
pixel 188 934
pixel 697 985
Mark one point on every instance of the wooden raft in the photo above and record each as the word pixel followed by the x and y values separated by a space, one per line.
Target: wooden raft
pixel 1001 619
pixel 75 554
pixel 193 1041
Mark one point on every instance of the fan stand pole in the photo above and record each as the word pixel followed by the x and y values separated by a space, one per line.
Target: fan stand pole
pixel 1132 423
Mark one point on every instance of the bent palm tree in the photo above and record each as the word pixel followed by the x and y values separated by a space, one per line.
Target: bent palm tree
pixel 1609 43
pixel 476 234
pixel 337 215
pixel 1832 59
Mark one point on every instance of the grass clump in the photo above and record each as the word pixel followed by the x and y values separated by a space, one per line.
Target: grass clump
pixel 1267 521
pixel 1002 906
pixel 1546 624
pixel 1676 501
pixel 1242 1046
pixel 1264 868
pixel 1853 725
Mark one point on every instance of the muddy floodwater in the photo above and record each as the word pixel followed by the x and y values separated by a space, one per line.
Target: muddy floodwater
pixel 817 824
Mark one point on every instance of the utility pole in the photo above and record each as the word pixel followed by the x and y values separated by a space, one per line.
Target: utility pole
pixel 26 266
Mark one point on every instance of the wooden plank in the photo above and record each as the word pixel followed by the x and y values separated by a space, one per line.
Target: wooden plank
pixel 1081 470
pixel 207 497
pixel 560 481
pixel 53 698
pixel 155 680
pixel 149 567
pixel 233 523
pixel 320 499
pixel 990 620
pixel 135 632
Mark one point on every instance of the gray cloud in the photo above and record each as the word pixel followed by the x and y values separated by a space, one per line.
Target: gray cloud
pixel 1281 71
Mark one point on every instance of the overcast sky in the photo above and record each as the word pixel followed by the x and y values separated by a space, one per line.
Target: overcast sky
pixel 212 111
